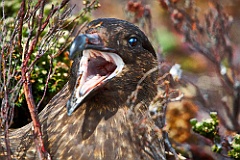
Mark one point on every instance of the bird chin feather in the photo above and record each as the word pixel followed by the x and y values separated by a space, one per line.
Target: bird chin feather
pixel 96 69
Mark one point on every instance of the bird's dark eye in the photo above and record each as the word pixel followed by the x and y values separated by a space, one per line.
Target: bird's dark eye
pixel 133 41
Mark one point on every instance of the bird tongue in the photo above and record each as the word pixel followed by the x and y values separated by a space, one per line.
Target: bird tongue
pixel 90 84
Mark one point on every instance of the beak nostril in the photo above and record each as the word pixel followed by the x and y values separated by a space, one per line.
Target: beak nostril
pixel 94 39
pixel 152 113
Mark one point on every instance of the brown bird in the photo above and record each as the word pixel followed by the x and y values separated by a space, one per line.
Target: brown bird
pixel 88 119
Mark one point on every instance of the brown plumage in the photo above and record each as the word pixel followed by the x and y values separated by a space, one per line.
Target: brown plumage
pixel 88 119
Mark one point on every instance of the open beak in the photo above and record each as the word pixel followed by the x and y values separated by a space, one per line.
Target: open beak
pixel 97 66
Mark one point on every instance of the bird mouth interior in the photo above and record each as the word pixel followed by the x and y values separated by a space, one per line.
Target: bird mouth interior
pixel 96 68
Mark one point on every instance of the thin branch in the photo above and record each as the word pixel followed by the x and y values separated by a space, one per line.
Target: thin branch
pixel 46 83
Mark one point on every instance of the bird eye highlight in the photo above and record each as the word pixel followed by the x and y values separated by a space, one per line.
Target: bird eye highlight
pixel 133 41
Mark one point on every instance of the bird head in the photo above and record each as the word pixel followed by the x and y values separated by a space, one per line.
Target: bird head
pixel 109 60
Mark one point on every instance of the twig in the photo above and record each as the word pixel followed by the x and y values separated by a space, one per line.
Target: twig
pixel 47 81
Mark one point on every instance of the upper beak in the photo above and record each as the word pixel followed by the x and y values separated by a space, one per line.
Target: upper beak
pixel 98 64
pixel 87 41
